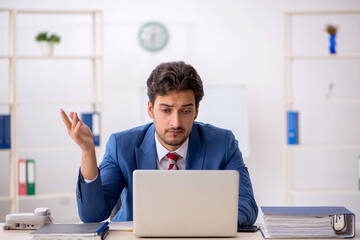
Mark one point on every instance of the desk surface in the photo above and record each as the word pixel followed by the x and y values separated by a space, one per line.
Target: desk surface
pixel 123 235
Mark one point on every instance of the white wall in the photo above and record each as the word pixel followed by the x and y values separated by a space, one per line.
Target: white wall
pixel 227 41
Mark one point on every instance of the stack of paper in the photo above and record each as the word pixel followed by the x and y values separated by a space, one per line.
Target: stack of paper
pixel 308 222
pixel 277 226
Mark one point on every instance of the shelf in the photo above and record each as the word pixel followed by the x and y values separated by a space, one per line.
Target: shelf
pixel 60 103
pixel 84 57
pixel 309 148
pixel 49 149
pixel 337 12
pixel 53 103
pixel 324 146
pixel 5 150
pixel 325 191
pixel 94 60
pixel 23 11
pixel 330 57
pixel 324 101
pixel 64 57
pixel 59 195
pixel 5 198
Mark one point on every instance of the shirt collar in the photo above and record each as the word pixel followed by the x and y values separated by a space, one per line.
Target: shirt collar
pixel 161 151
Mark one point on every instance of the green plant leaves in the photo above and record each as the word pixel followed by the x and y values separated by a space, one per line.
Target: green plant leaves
pixel 43 36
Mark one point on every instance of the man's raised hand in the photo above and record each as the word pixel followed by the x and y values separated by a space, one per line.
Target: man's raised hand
pixel 78 131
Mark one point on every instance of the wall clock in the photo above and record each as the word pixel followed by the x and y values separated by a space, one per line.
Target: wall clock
pixel 153 36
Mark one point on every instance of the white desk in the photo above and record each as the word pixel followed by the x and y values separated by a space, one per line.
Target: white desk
pixel 123 235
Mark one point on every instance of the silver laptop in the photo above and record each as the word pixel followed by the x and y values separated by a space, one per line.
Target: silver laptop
pixel 191 203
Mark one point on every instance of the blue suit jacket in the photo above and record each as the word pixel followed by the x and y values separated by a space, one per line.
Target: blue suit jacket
pixel 210 148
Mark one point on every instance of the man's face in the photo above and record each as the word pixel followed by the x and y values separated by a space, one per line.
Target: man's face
pixel 173 116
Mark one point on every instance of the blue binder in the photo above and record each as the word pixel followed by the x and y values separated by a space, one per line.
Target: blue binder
pixel 92 120
pixel 7 131
pixel 2 133
pixel 5 141
pixel 345 231
pixel 292 127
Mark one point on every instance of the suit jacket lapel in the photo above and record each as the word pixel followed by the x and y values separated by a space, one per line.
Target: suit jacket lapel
pixel 146 152
pixel 196 151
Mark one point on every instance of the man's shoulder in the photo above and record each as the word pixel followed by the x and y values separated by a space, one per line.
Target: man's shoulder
pixel 207 130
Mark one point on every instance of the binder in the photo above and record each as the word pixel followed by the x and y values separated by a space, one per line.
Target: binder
pixel 22 177
pixel 96 128
pixel 2 132
pixel 92 120
pixel 7 140
pixel 30 176
pixel 292 127
pixel 308 222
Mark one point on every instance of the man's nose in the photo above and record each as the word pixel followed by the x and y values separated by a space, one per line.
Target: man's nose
pixel 175 120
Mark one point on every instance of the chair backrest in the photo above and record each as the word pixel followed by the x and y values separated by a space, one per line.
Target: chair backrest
pixel 115 209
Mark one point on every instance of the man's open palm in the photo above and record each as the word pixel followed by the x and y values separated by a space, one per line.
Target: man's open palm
pixel 78 131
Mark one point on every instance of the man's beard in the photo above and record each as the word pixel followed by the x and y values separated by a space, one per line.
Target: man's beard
pixel 175 142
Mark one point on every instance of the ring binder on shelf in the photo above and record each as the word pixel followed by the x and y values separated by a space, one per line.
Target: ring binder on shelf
pixel 22 177
pixel 92 120
pixel 292 127
pixel 5 141
pixel 308 222
pixel 30 176
pixel 7 134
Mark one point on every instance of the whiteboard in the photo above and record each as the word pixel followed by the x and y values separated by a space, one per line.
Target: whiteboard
pixel 221 106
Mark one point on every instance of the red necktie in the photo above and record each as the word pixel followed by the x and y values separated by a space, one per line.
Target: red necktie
pixel 173 157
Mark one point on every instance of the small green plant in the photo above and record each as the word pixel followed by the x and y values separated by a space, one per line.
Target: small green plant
pixel 54 38
pixel 43 36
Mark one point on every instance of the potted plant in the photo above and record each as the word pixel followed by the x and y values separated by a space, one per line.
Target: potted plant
pixel 47 42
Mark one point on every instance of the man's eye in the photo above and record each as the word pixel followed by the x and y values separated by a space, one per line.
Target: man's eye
pixel 187 111
pixel 165 110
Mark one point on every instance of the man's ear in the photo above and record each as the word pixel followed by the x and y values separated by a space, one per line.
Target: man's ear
pixel 149 109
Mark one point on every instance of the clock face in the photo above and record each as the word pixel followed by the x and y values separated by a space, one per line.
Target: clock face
pixel 153 36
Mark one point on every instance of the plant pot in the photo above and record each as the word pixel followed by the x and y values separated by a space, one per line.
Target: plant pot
pixel 47 49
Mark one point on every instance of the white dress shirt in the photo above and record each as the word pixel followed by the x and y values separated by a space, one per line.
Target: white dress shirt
pixel 163 161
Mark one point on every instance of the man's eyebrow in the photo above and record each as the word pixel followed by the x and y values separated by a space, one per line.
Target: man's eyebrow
pixel 188 105
pixel 165 105
pixel 185 105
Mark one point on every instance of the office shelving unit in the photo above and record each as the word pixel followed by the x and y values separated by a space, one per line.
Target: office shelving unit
pixel 13 104
pixel 289 101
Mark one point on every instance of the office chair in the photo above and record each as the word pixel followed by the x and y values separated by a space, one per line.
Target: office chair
pixel 115 209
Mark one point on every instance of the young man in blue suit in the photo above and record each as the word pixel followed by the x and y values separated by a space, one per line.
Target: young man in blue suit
pixel 174 90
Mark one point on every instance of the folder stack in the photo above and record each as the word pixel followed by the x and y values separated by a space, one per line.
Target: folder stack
pixel 26 177
pixel 308 222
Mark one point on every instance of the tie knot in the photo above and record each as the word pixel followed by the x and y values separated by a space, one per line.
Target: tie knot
pixel 173 156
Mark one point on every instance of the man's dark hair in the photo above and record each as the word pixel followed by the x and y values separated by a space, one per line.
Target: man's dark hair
pixel 176 76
